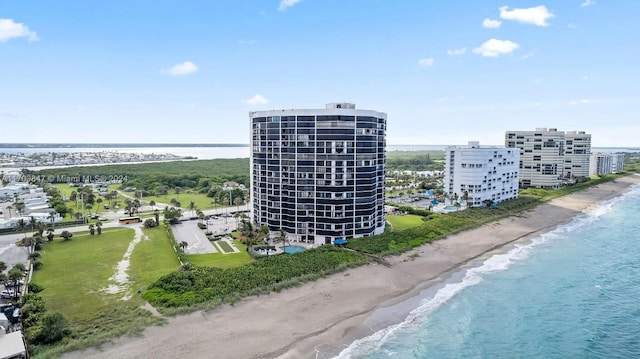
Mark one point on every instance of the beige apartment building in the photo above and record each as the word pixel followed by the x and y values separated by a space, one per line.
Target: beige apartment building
pixel 549 156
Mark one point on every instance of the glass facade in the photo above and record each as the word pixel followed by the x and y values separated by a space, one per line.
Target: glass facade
pixel 319 176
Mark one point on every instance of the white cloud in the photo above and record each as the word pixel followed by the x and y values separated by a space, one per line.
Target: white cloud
pixel 426 62
pixel 584 101
pixel 534 15
pixel 457 51
pixel 585 77
pixel 11 30
pixel 526 56
pixel 246 42
pixel 495 48
pixel 184 68
pixel 572 26
pixel 588 3
pixel 257 100
pixel 284 4
pixel 491 24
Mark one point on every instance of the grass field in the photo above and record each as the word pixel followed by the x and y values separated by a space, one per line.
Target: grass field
pixel 200 199
pixel 75 272
pixel 401 223
pixel 220 260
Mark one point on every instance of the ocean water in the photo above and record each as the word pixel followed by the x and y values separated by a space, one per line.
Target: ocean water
pixel 571 293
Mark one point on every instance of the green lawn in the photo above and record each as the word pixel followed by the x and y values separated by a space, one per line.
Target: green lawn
pixel 200 199
pixel 220 260
pixel 74 274
pixel 152 258
pixel 400 222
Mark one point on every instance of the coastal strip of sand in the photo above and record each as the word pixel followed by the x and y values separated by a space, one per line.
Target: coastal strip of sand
pixel 326 315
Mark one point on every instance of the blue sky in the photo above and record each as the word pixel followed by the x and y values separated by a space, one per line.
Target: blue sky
pixel 445 72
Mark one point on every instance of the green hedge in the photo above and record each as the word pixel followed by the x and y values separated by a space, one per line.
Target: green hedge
pixel 207 284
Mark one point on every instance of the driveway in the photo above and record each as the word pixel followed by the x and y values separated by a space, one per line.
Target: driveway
pixel 189 232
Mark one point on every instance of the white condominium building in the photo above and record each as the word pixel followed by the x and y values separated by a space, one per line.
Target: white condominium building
pixel 577 150
pixel 541 156
pixel 605 163
pixel 481 173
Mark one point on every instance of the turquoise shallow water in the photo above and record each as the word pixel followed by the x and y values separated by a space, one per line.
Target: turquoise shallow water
pixel 570 293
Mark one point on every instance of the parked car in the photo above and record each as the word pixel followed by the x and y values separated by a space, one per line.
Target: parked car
pixel 103 218
pixel 7 294
pixel 106 206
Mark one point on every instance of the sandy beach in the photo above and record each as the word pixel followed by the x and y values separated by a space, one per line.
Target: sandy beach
pixel 326 315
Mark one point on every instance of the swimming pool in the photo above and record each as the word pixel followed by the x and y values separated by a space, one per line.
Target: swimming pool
pixel 450 208
pixel 292 249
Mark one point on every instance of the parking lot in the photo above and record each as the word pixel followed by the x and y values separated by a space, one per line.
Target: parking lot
pixel 198 243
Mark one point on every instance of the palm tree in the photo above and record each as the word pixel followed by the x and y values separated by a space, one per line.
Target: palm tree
pixel 98 201
pixel 33 222
pixel 200 215
pixel 70 212
pixel 183 245
pixel 40 227
pixel 177 190
pixel 282 237
pixel 138 195
pixel 192 206
pixel 23 225
pixel 19 206
pixel 9 208
pixel 465 197
pixel 99 227
pixel 237 216
pixel 152 203
pixel 238 202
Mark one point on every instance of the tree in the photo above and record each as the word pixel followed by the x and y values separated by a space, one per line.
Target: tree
pixel 32 222
pixel 177 189
pixel 14 276
pixel 54 327
pixel 238 202
pixel 9 208
pixel 465 198
pixel 23 225
pixel 34 255
pixel 282 237
pixel 88 207
pixel 138 195
pixel 40 227
pixel 192 207
pixel 19 206
pixel 156 214
pixel 92 229
pixel 50 235
pixel 200 215
pixel 98 201
pixel 172 214
pixel 99 228
pixel 149 223
pixel 66 235
pixel 183 245
pixel 152 203
pixel 3 266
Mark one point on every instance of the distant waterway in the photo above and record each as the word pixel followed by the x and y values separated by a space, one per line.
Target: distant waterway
pixel 206 153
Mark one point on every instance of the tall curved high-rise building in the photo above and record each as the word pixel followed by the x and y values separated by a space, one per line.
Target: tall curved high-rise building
pixel 319 174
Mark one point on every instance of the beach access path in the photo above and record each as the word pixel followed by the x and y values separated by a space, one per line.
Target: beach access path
pixel 326 315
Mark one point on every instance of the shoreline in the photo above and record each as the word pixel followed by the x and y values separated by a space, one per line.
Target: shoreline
pixel 330 313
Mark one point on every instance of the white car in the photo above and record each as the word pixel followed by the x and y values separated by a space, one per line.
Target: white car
pixel 7 294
